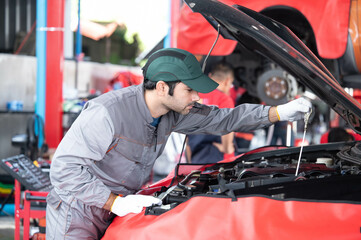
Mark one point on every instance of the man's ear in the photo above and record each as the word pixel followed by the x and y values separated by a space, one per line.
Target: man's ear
pixel 162 88
pixel 230 80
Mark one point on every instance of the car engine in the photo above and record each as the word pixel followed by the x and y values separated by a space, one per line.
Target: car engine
pixel 328 172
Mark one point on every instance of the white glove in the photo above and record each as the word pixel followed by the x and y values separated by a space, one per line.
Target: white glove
pixel 294 110
pixel 132 204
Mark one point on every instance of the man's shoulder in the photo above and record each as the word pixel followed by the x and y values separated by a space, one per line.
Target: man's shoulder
pixel 121 95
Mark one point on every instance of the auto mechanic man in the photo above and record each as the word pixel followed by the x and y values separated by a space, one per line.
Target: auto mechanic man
pixel 109 151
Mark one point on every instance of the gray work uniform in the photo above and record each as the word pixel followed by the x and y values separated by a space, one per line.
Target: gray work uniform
pixel 111 147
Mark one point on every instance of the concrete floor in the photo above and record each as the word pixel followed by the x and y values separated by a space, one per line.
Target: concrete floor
pixel 7 227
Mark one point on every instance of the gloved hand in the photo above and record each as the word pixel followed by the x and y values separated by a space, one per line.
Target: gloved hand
pixel 293 110
pixel 132 204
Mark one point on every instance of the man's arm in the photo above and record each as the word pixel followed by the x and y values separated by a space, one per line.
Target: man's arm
pixel 272 115
pixel 226 146
pixel 227 142
pixel 109 202
pixel 205 119
pixel 243 118
pixel 85 143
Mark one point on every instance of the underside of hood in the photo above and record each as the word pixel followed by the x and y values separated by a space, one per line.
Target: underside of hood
pixel 273 40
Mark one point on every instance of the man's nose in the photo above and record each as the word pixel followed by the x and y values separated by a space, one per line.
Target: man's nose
pixel 195 96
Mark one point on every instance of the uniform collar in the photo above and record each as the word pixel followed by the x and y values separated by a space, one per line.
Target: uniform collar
pixel 143 108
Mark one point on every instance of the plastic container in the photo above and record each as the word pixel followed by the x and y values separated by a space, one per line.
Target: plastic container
pixel 14 106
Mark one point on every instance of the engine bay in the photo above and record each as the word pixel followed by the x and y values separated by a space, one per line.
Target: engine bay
pixel 328 172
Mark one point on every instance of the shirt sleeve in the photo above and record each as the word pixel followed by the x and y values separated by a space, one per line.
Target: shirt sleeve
pixel 219 121
pixel 86 141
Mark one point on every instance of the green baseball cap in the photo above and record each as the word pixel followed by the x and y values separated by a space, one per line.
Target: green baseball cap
pixel 173 64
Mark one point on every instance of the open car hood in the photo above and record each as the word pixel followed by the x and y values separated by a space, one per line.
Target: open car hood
pixel 273 40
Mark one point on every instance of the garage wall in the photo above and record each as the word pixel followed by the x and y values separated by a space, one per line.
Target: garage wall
pixel 18 77
pixel 18 82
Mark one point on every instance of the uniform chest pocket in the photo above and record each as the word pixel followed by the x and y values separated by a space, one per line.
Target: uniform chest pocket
pixel 53 200
pixel 130 149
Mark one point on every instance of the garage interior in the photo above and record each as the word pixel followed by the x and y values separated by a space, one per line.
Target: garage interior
pixel 50 69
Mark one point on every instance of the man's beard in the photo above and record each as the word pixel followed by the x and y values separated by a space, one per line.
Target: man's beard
pixel 183 111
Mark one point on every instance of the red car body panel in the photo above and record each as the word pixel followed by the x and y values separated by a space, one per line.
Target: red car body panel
pixel 247 218
pixel 197 36
pixel 329 21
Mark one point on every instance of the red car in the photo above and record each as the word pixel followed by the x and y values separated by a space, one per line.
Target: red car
pixel 261 195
